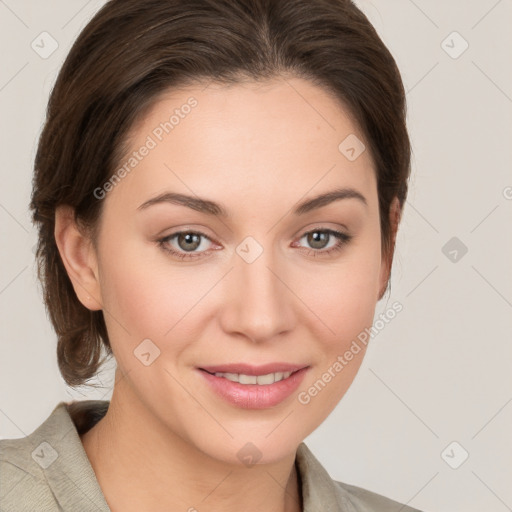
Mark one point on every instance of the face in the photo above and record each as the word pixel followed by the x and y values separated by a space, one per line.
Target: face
pixel 255 278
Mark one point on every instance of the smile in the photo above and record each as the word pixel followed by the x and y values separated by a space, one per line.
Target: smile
pixel 254 391
pixel 269 378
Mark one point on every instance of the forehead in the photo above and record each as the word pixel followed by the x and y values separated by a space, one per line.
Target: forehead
pixel 261 140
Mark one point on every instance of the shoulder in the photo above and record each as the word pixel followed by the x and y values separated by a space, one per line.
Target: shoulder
pixel 367 501
pixel 48 469
pixel 23 484
pixel 321 492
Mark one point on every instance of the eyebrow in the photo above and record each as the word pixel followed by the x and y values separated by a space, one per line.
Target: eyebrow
pixel 212 208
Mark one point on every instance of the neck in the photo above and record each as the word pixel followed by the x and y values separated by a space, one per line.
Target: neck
pixel 141 464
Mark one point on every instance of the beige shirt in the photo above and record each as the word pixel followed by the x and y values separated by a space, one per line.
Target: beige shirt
pixel 49 471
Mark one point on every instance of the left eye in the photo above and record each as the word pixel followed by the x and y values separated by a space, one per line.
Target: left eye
pixel 318 238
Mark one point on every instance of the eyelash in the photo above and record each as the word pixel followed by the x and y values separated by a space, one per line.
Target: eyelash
pixel 342 240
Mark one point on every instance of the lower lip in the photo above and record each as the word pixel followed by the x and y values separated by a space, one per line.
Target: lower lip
pixel 255 396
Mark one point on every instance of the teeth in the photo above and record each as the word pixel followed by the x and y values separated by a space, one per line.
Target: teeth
pixel 270 378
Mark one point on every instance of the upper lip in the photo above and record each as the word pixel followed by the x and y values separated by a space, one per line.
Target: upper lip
pixel 248 369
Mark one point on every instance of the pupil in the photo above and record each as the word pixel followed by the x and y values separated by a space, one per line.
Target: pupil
pixel 317 239
pixel 190 238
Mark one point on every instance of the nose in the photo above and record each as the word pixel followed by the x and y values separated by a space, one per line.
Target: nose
pixel 257 301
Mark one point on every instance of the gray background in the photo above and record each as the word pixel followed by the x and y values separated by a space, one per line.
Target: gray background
pixel 440 371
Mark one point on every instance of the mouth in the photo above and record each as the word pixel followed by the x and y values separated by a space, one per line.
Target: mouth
pixel 255 387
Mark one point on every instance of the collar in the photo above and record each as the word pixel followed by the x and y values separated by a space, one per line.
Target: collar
pixel 73 481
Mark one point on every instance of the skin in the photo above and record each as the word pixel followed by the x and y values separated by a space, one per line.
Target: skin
pixel 275 144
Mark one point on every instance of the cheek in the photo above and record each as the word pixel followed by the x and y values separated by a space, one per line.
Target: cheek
pixel 344 300
pixel 344 294
pixel 141 295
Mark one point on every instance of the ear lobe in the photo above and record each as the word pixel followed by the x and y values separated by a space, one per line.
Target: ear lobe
pixel 395 213
pixel 79 258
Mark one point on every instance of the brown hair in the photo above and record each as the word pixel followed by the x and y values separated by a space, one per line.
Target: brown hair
pixel 131 52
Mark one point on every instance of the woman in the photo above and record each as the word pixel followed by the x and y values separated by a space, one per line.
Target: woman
pixel 269 136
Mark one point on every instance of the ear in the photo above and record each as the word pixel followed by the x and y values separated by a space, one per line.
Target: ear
pixel 395 213
pixel 79 258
